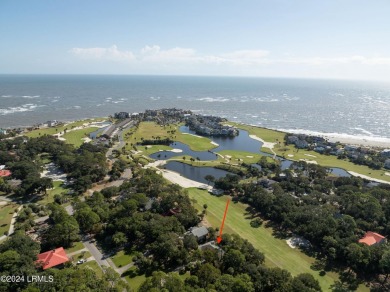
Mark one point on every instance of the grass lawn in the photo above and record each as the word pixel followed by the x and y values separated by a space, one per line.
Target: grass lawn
pixel 148 130
pixel 81 255
pixel 266 134
pixel 324 160
pixel 58 129
pixel 122 258
pixel 94 266
pixel 153 149
pixel 133 278
pixel 76 246
pixel 277 252
pixel 58 188
pixel 75 137
pixel 6 212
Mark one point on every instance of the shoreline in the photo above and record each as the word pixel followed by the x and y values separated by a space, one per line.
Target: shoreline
pixel 348 139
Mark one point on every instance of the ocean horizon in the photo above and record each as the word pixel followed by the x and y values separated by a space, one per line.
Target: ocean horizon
pixel 341 108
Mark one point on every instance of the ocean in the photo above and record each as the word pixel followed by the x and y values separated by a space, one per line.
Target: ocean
pixel 334 107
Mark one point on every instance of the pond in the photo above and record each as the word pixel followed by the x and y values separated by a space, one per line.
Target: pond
pixel 195 173
pixel 242 142
pixel 94 134
pixel 186 150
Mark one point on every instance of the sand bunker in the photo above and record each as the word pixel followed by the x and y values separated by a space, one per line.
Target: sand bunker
pixel 309 161
pixel 310 155
pixel 192 135
pixel 269 145
pixel 86 139
pixel 290 155
pixel 216 144
pixel 249 156
pixel 176 150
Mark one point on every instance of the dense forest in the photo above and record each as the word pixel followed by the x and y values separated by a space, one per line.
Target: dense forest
pixel 152 218
pixel 333 213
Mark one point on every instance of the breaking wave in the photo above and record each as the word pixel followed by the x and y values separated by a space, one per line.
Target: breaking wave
pixel 24 108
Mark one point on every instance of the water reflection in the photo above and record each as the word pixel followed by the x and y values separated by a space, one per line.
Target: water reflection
pixel 193 172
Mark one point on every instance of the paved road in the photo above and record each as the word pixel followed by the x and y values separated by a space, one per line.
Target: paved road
pixel 118 146
pixel 95 252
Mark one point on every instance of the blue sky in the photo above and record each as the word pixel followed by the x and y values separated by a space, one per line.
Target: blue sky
pixel 279 38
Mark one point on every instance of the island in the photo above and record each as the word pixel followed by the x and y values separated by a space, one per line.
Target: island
pixel 135 202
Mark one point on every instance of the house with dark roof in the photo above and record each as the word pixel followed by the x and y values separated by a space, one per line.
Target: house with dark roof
pixel 200 233
pixel 52 258
pixel 387 163
pixel 372 238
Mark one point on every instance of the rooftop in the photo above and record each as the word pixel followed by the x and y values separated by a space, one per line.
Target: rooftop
pixel 200 231
pixel 4 173
pixel 371 238
pixel 52 258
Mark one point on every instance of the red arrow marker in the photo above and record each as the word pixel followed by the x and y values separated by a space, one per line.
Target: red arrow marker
pixel 219 237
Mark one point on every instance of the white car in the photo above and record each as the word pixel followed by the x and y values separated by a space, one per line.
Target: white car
pixel 81 261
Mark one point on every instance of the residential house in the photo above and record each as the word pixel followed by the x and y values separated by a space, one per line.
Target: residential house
pixel 350 148
pixel 372 238
pixel 301 144
pixel 372 184
pixel 200 233
pixel 266 183
pixel 3 131
pixel 5 173
pixel 319 149
pixel 387 163
pixel 52 123
pixel 386 153
pixel 292 139
pixel 52 258
pixel 122 115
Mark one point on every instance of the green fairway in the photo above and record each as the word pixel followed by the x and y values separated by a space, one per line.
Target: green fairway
pixel 76 137
pixel 58 129
pixel 266 134
pixel 277 252
pixel 150 130
pixel 6 212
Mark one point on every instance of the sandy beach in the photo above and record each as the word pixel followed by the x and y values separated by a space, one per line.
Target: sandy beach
pixel 374 142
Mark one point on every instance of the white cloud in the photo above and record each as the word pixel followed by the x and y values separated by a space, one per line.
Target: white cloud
pixel 112 53
pixel 155 54
pixel 244 58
